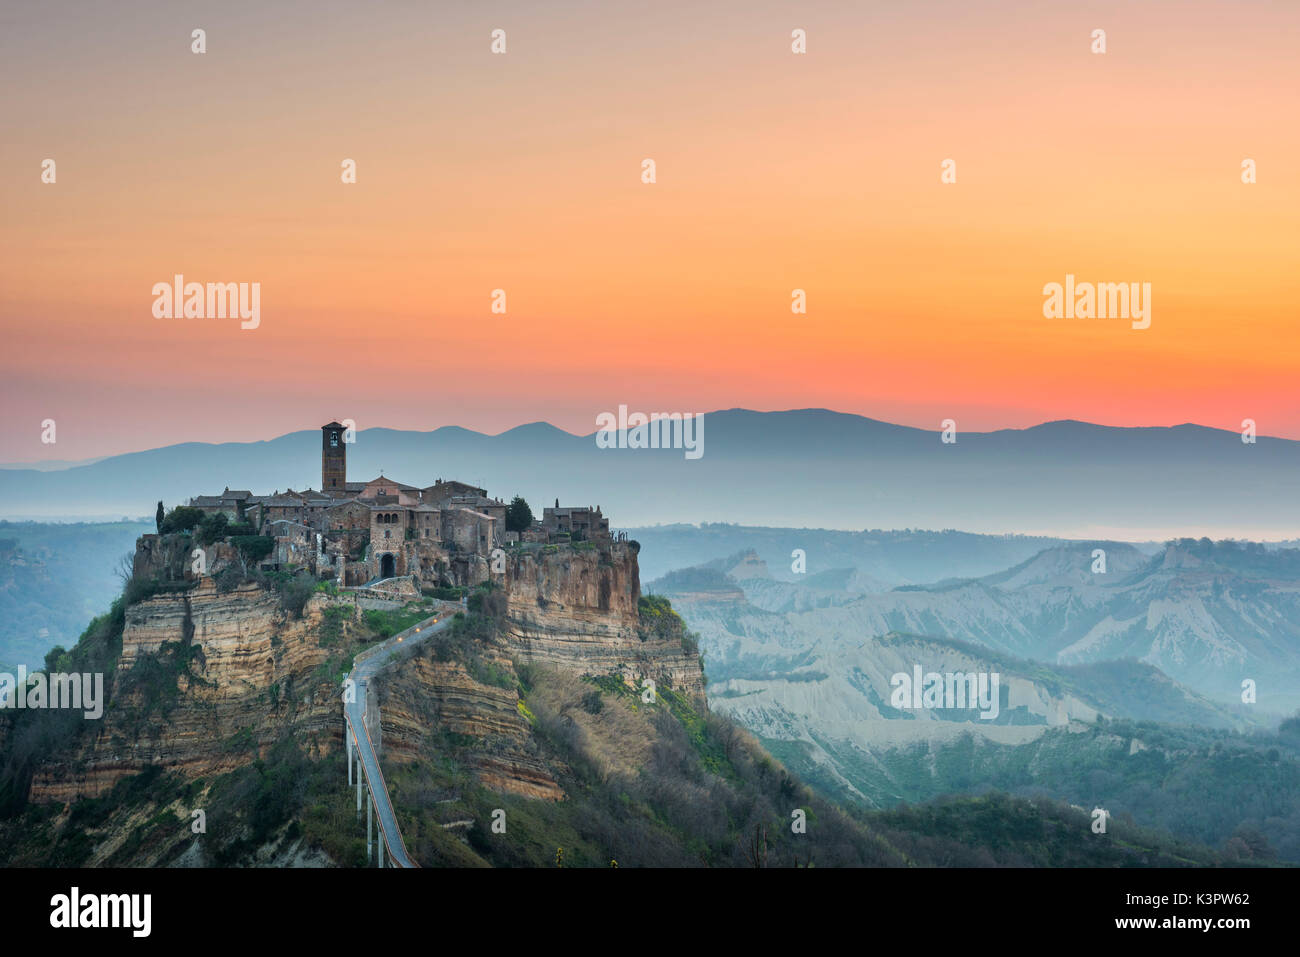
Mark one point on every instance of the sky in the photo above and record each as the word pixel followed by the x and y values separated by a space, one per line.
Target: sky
pixel 522 171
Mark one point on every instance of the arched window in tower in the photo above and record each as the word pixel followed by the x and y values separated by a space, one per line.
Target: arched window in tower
pixel 334 440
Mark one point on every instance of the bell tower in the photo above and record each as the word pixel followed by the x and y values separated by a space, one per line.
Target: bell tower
pixel 333 460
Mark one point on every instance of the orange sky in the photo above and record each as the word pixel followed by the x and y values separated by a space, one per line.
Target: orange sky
pixel 522 172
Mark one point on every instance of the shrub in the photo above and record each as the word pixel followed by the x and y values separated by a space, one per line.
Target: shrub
pixel 228 578
pixel 295 592
pixel 211 528
pixel 444 593
pixel 253 547
pixel 181 519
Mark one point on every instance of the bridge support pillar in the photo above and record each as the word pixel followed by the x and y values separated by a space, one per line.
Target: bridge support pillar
pixel 347 733
pixel 370 823
pixel 358 786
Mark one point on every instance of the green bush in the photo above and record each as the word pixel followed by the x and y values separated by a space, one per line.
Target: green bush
pixel 295 592
pixel 212 528
pixel 253 547
pixel 444 593
pixel 181 519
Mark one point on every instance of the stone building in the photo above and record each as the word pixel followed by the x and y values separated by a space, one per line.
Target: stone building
pixel 444 531
pixel 234 505
pixel 579 521
pixel 333 459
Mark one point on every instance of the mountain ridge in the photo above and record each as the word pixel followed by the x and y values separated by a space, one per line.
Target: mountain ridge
pixel 807 468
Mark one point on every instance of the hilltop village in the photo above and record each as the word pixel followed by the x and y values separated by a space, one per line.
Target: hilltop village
pixel 364 532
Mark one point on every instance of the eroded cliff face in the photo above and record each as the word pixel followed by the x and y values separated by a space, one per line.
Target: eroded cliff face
pixel 575 608
pixel 492 737
pixel 208 681
pixel 204 683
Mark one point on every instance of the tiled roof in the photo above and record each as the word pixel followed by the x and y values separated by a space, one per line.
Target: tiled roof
pixel 285 500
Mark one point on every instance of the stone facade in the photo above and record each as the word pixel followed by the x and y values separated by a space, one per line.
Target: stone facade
pixel 333 459
pixel 578 521
pixel 357 532
pixel 441 533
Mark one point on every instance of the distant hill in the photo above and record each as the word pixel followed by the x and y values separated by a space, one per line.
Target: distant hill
pixel 803 468
pixel 806 666
pixel 54 579
pixel 875 557
pixel 1209 614
pixel 1237 793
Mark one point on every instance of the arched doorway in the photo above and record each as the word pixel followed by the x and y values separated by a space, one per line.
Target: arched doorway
pixel 387 566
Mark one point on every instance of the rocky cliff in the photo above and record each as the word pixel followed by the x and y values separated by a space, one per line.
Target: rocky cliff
pixel 578 608
pixel 204 682
pixel 207 680
pixel 574 609
pixel 482 722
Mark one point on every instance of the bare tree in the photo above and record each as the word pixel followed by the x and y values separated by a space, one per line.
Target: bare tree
pixel 126 568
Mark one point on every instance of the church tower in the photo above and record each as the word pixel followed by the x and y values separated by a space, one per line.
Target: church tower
pixel 333 460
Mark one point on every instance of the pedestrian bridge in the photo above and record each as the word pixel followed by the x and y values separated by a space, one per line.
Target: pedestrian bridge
pixel 363 759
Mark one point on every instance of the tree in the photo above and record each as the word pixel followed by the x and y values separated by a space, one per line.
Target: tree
pixel 158 518
pixel 518 515
pixel 126 568
pixel 253 548
pixel 212 527
pixel 181 519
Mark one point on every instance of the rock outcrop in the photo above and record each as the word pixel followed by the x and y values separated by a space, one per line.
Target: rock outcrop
pixel 576 608
pixel 204 683
pixel 428 695
pixel 208 681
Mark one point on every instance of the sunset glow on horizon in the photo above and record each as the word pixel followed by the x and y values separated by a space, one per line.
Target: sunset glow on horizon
pixel 522 172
